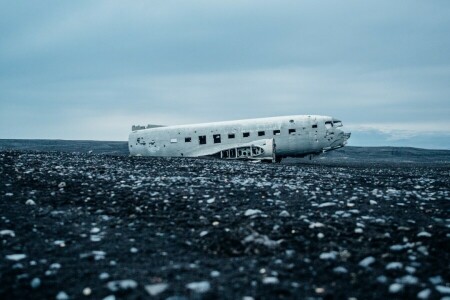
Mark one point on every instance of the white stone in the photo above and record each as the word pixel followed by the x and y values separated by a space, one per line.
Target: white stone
pixel 61 184
pixel 214 274
pixel 134 250
pixel 156 289
pixel 30 202
pixel 328 255
pixel 62 296
pixel 110 297
pixel 7 232
pixel 395 288
pixel 209 201
pixel 394 266
pixel 443 289
pixel 270 280
pixel 15 257
pixel 424 294
pixel 424 234
pixel 35 283
pixel 326 204
pixel 340 270
pixel 126 284
pixel 203 233
pixel 95 230
pixel 284 214
pixel 408 279
pixel 199 287
pixel 373 202
pixel 251 212
pixel 366 262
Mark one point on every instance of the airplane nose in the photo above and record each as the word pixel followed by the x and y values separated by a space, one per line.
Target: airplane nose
pixel 346 137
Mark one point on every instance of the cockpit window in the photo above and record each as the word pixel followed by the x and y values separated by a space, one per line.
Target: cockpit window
pixel 337 123
pixel 328 124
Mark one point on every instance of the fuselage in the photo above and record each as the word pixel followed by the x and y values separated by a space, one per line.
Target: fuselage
pixel 292 136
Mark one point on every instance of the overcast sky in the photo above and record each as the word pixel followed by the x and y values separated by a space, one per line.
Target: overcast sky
pixel 91 69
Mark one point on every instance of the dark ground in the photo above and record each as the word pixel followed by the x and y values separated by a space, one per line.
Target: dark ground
pixel 206 229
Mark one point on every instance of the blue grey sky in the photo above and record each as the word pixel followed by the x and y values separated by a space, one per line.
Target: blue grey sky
pixel 91 69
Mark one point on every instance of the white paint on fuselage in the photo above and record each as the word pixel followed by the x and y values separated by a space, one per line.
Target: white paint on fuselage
pixel 170 140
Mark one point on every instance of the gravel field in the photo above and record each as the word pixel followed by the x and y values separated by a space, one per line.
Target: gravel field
pixel 85 226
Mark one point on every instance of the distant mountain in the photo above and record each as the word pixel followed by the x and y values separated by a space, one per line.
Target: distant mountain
pixel 346 154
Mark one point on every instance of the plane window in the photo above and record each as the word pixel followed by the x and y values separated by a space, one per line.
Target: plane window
pixel 292 131
pixel 276 132
pixel 246 134
pixel 173 141
pixel 314 126
pixel 216 138
pixel 337 123
pixel 202 139
pixel 187 140
pixel 231 136
pixel 328 124
pixel 261 133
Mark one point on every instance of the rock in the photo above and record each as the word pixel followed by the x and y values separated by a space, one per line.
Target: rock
pixel 408 279
pixel 424 294
pixel 284 214
pixel 214 274
pixel 15 257
pixel 373 202
pixel 326 204
pixel 121 285
pixel 395 288
pixel 62 296
pixel 199 287
pixel 443 289
pixel 366 262
pixel 134 250
pixel 320 235
pixel 110 297
pixel 62 184
pixel 394 266
pixel 95 230
pixel 7 232
pixel 260 239
pixel 103 276
pixel 270 280
pixel 156 289
pixel 209 201
pixel 328 255
pixel 203 233
pixel 340 270
pixel 424 234
pixel 35 283
pixel 30 202
pixel 87 291
pixel 251 212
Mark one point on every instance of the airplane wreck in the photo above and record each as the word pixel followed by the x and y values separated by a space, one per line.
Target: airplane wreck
pixel 262 139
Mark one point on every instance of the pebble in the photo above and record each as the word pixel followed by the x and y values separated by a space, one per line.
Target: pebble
pixel 340 270
pixel 320 235
pixel 87 291
pixel 326 204
pixel 35 283
pixel 395 288
pixel 424 294
pixel 443 289
pixel 394 266
pixel 270 280
pixel 366 262
pixel 373 202
pixel 156 289
pixel 15 257
pixel 126 284
pixel 209 201
pixel 251 212
pixel 30 202
pixel 103 276
pixel 62 184
pixel 110 297
pixel 214 274
pixel 62 296
pixel 7 232
pixel 199 287
pixel 134 250
pixel 424 234
pixel 284 214
pixel 328 255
